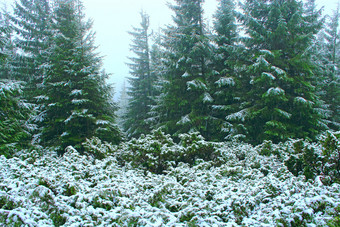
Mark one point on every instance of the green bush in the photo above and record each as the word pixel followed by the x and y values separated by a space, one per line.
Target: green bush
pixel 157 152
pixel 311 160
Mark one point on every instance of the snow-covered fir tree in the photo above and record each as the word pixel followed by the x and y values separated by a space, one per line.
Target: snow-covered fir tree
pixel 222 85
pixel 15 131
pixel 123 103
pixel 79 103
pixel 141 81
pixel 328 60
pixel 32 21
pixel 184 102
pixel 278 101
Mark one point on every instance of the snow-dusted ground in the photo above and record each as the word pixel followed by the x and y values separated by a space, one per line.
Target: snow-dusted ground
pixel 76 190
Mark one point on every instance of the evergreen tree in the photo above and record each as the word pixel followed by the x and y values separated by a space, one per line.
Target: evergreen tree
pixel 184 104
pixel 32 21
pixel 15 131
pixel 141 89
pixel 226 58
pixel 122 105
pixel 79 102
pixel 6 47
pixel 279 100
pixel 329 61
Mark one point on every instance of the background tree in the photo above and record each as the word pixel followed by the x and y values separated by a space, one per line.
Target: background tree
pixel 328 59
pixel 15 131
pixel 225 60
pixel 141 90
pixel 79 102
pixel 184 103
pixel 280 101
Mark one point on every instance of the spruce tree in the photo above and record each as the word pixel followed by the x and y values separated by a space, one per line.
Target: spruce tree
pixel 184 103
pixel 15 131
pixel 79 102
pixel 123 103
pixel 279 100
pixel 6 47
pixel 329 60
pixel 141 81
pixel 32 22
pixel 226 58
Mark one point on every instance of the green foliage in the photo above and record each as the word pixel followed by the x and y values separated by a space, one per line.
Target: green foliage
pixel 183 104
pixel 79 102
pixel 195 147
pixel 276 99
pixel 96 148
pixel 14 116
pixel 142 82
pixel 157 152
pixel 153 152
pixel 312 161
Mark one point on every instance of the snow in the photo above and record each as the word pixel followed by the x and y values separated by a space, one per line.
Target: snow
pixel 241 115
pixel 223 81
pixel 275 91
pixel 76 92
pixel 303 101
pixel 207 98
pixel 186 74
pixel 269 75
pixel 184 119
pixel 196 84
pixel 76 190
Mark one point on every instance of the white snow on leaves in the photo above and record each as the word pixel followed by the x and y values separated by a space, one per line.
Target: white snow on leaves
pixel 80 191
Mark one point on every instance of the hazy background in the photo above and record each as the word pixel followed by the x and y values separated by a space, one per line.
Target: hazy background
pixel 114 18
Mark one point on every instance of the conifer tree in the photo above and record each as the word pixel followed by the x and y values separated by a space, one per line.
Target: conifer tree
pixel 79 102
pixel 6 47
pixel 280 101
pixel 331 84
pixel 122 105
pixel 185 100
pixel 223 82
pixel 32 21
pixel 15 131
pixel 141 89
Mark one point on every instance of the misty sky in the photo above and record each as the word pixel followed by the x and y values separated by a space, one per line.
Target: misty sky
pixel 114 18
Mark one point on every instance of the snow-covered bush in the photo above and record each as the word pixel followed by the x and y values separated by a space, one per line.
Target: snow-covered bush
pixel 157 152
pixel 246 189
pixel 96 148
pixel 154 152
pixel 316 159
pixel 194 147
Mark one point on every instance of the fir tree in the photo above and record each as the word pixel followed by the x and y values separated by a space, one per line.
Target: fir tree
pixel 280 101
pixel 15 131
pixel 6 47
pixel 32 21
pixel 184 104
pixel 122 105
pixel 328 59
pixel 141 89
pixel 79 102
pixel 223 83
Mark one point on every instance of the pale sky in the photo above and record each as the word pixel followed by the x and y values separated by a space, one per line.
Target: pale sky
pixel 114 18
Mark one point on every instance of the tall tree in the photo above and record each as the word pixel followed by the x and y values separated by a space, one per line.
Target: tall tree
pixel 223 82
pixel 184 104
pixel 122 105
pixel 141 89
pixel 328 58
pixel 79 102
pixel 32 21
pixel 6 46
pixel 279 101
